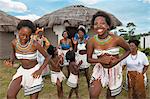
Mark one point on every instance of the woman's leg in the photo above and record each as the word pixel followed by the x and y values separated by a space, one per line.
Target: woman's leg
pixel 59 89
pixel 87 76
pixel 108 96
pixel 34 96
pixel 14 88
pixel 95 89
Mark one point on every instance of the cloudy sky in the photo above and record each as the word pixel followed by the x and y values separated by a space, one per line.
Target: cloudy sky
pixel 137 11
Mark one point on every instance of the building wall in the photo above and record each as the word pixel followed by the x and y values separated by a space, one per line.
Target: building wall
pixel 147 41
pixel 58 30
pixel 52 37
pixel 5 44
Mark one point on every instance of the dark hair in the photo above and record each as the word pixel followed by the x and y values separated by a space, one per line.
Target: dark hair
pixel 136 42
pixel 26 23
pixel 103 14
pixel 51 50
pixel 70 55
pixel 64 32
pixel 82 29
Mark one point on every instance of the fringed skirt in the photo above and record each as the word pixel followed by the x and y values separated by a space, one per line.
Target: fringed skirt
pixel 109 77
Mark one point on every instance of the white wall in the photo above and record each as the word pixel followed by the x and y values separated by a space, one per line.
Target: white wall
pixel 147 41
pixel 58 29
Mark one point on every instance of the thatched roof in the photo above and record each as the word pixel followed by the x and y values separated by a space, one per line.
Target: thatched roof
pixel 8 23
pixel 73 15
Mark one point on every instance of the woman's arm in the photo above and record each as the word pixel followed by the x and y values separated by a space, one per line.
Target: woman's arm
pixel 47 43
pixel 44 53
pixel 145 69
pixel 70 43
pixel 123 44
pixel 37 73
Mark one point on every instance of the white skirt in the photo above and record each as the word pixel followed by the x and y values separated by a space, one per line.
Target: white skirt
pixel 63 53
pixel 109 77
pixel 72 80
pixel 31 85
pixel 79 57
pixel 57 75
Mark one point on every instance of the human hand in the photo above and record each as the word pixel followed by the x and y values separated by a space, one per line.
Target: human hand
pixel 37 73
pixel 8 63
pixel 75 41
pixel 80 62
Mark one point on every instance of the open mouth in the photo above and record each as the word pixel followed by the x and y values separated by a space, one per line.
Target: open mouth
pixel 100 30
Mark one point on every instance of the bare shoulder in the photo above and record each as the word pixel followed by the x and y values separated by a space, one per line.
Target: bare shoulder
pixel 91 39
pixel 116 37
pixel 61 40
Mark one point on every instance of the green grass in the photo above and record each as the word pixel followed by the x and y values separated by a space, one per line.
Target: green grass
pixel 49 91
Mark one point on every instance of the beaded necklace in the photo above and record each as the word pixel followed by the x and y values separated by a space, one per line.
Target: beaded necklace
pixel 24 48
pixel 134 57
pixel 102 41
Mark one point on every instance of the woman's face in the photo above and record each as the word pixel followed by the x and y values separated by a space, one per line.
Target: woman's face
pixel 100 25
pixel 40 34
pixel 133 47
pixel 65 35
pixel 24 35
pixel 81 34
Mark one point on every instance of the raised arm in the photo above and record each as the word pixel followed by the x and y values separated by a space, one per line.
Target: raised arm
pixel 37 73
pixel 123 44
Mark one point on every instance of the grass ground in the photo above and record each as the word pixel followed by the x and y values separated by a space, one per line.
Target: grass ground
pixel 49 91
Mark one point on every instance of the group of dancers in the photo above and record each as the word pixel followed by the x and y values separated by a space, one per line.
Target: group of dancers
pixel 35 53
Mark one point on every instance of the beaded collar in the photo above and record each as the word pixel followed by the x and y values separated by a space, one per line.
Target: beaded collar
pixel 24 48
pixel 102 41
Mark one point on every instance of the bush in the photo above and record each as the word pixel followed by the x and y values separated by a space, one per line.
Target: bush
pixel 146 51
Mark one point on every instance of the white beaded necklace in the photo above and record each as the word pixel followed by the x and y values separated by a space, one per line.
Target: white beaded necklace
pixel 134 58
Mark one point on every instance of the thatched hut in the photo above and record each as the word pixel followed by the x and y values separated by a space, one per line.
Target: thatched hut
pixel 69 18
pixel 7 28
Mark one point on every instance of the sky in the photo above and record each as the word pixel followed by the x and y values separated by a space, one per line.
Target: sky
pixel 137 11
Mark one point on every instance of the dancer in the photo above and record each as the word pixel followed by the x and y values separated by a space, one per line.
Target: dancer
pixel 105 45
pixel 74 73
pixel 57 75
pixel 24 49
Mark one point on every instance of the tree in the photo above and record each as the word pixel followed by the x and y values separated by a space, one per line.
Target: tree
pixel 131 28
